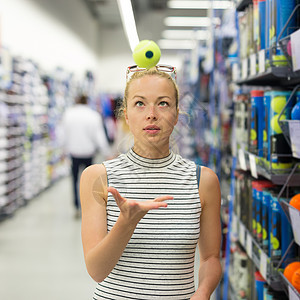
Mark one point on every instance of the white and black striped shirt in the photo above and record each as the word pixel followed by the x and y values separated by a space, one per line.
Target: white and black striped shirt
pixel 158 262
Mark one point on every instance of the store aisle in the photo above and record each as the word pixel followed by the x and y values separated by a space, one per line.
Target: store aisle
pixel 40 250
pixel 41 253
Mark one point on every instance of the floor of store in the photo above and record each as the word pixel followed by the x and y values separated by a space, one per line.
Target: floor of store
pixel 40 250
pixel 41 253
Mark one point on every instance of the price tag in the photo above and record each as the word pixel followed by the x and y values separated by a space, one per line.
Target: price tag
pixel 242 160
pixel 295 44
pixel 234 224
pixel 263 264
pixel 294 128
pixel 253 64
pixel 249 244
pixel 295 220
pixel 245 68
pixel 253 169
pixel 242 234
pixel 261 61
pixel 292 294
pixel 235 72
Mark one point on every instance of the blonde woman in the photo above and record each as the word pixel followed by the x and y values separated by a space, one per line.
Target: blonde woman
pixel 142 211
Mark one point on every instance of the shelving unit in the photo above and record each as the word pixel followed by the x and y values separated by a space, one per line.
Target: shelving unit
pixel 277 176
pixel 258 71
pixel 292 292
pixel 11 151
pixel 257 254
pixel 30 150
pixel 274 76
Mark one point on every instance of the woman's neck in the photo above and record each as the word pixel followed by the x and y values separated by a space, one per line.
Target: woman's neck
pixel 151 151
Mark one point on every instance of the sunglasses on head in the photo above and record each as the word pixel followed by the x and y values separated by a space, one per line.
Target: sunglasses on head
pixel 161 68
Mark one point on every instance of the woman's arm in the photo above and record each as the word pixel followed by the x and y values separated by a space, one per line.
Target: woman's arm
pixel 102 250
pixel 210 235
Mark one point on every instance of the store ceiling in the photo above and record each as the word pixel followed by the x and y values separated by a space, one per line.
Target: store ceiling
pixel 107 12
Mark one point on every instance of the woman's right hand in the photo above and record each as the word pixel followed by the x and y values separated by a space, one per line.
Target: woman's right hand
pixel 133 211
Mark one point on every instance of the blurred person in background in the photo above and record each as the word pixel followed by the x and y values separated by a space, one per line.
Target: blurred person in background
pixel 83 136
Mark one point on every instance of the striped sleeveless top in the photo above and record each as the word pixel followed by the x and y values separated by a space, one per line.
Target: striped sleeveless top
pixel 158 262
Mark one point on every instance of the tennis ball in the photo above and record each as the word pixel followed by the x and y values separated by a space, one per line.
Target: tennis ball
pixel 290 269
pixel 278 103
pixel 146 54
pixel 296 280
pixel 279 60
pixel 275 125
pixel 253 135
pixel 295 201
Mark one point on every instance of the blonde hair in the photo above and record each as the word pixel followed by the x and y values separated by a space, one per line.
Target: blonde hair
pixel 141 74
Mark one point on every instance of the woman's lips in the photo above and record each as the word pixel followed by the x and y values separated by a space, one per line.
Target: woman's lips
pixel 152 129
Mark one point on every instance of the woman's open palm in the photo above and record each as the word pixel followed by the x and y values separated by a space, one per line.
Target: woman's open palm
pixel 135 210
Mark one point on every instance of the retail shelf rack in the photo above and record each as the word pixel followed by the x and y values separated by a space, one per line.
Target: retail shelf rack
pixel 257 254
pixel 273 76
pixel 292 292
pixel 258 166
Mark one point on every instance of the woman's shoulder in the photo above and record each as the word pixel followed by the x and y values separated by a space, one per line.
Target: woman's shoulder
pixel 209 176
pixel 93 171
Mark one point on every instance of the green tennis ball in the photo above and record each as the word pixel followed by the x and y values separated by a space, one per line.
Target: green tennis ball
pixel 278 103
pixel 275 125
pixel 279 60
pixel 146 54
pixel 265 136
pixel 253 135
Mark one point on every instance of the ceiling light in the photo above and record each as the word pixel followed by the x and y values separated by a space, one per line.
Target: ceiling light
pixel 185 34
pixel 177 44
pixel 190 21
pixel 185 4
pixel 128 21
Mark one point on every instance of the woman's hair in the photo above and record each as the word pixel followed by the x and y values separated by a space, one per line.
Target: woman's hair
pixel 140 74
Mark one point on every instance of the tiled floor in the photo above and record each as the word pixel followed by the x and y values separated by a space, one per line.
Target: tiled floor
pixel 40 250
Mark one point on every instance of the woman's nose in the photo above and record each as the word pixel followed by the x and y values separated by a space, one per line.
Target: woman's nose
pixel 152 114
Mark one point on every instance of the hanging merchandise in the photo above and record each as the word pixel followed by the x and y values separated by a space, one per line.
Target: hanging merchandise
pixel 277 151
pixel 256 122
pixel 262 24
pixel 279 14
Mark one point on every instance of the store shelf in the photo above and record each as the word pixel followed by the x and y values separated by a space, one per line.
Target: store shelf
pixel 291 129
pixel 243 4
pixel 274 76
pixel 294 217
pixel 292 292
pixel 262 262
pixel 277 176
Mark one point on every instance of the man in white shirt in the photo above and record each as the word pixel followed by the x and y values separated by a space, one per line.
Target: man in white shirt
pixel 84 135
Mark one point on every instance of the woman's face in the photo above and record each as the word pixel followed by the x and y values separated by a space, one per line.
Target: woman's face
pixel 151 111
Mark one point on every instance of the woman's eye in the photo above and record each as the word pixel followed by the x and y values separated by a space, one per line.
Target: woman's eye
pixel 163 103
pixel 139 103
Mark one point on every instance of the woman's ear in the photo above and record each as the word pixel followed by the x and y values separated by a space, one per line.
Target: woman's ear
pixel 177 116
pixel 125 116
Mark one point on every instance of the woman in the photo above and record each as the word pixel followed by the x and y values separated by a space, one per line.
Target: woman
pixel 141 211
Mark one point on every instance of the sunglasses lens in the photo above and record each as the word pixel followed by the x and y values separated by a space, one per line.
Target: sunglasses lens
pixel 162 68
pixel 165 69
